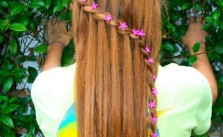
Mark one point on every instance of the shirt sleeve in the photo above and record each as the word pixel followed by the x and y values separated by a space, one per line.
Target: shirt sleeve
pixel 204 110
pixel 52 95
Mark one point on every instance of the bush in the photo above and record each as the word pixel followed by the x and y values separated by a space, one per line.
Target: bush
pixel 23 46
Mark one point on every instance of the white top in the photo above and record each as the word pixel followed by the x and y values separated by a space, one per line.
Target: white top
pixel 184 100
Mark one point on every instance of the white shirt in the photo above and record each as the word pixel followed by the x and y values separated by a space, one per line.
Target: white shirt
pixel 183 91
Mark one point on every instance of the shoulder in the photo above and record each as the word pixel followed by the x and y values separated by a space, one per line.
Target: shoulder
pixel 52 94
pixel 183 80
pixel 182 75
pixel 187 92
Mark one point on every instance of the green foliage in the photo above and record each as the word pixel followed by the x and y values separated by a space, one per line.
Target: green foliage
pixel 22 24
pixel 175 26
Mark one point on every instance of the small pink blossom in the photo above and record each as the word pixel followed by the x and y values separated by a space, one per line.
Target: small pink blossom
pixel 154 120
pixel 94 6
pixel 135 32
pixel 154 135
pixel 147 49
pixel 154 91
pixel 150 60
pixel 108 17
pixel 141 33
pixel 152 104
pixel 123 25
pixel 154 77
pixel 84 0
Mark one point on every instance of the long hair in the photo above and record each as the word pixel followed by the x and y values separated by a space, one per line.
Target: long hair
pixel 115 72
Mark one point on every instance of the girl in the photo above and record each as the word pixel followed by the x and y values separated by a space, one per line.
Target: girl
pixel 117 88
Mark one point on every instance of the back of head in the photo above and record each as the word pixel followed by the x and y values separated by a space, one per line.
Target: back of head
pixel 117 44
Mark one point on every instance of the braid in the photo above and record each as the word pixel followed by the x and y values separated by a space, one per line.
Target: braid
pixel 118 69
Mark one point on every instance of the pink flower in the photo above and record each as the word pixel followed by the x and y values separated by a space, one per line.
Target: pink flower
pixel 154 77
pixel 84 0
pixel 94 6
pixel 150 60
pixel 141 33
pixel 135 32
pixel 154 120
pixel 108 17
pixel 154 91
pixel 154 135
pixel 123 25
pixel 147 49
pixel 152 104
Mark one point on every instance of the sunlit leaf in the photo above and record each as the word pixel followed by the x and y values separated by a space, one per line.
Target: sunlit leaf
pixel 13 49
pixel 37 4
pixel 7 84
pixel 169 46
pixel 17 27
pixel 58 8
pixel 7 120
pixel 16 10
pixel 41 49
pixel 47 3
pixel 216 14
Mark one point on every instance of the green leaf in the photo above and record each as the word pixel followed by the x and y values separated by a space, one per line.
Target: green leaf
pixel 25 20
pixel 65 3
pixel 4 24
pixel 66 16
pixel 47 3
pixel 5 73
pixel 216 14
pixel 206 26
pixel 13 99
pixel 219 3
pixel 198 7
pixel 4 4
pixel 192 60
pixel 10 108
pixel 185 6
pixel 11 133
pixel 17 9
pixel 169 46
pixel 37 4
pixel 196 47
pixel 32 74
pixel 58 8
pixel 171 28
pixel 7 84
pixel 13 48
pixel 7 120
pixel 219 47
pixel 3 98
pixel 209 19
pixel 17 27
pixel 41 49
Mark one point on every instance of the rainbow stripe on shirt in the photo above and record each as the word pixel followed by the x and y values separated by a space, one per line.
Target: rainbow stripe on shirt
pixel 68 126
